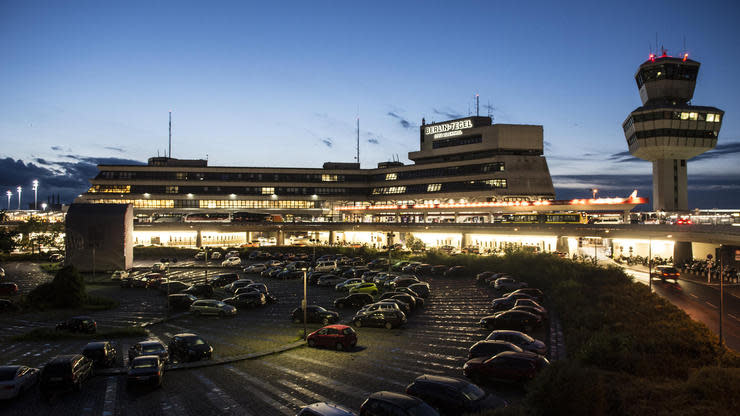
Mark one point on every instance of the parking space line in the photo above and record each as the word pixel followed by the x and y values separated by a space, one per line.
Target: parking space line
pixel 733 317
pixel 109 401
pixel 218 398
pixel 711 304
pixel 321 380
pixel 269 388
pixel 344 369
pixel 173 406
pixel 304 391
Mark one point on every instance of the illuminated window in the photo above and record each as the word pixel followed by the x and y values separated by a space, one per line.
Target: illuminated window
pixel 181 176
pixel 693 116
pixel 710 117
pixel 329 178
pixel 434 187
pixel 716 118
pixel 110 189
pixel 268 190
pixel 391 176
pixel 684 116
pixel 496 183
pixel 171 189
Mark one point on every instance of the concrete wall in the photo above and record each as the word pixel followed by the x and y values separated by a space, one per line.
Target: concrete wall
pixel 99 237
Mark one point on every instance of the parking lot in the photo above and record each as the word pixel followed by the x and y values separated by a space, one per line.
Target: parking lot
pixel 434 341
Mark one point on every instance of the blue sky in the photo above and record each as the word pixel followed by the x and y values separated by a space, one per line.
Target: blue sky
pixel 280 84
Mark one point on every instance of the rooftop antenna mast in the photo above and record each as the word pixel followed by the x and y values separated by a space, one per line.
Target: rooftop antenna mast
pixel 477 105
pixel 169 151
pixel 358 134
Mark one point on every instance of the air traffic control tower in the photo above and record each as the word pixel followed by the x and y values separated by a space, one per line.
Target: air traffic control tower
pixel 667 130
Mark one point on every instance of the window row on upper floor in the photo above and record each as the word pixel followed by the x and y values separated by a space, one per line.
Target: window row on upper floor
pixel 672 71
pixel 673 115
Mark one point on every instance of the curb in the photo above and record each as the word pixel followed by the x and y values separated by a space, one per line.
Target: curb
pixel 212 363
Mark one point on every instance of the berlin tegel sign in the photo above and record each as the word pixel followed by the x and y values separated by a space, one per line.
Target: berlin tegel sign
pixel 453 128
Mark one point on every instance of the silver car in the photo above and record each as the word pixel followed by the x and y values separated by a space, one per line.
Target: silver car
pixel 16 379
pixel 212 307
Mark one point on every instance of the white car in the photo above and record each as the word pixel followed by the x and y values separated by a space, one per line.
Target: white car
pixel 159 267
pixel 212 307
pixel 231 262
pixel 232 253
pixel 119 274
pixel 255 268
pixel 2 272
pixel 215 255
pixel 16 379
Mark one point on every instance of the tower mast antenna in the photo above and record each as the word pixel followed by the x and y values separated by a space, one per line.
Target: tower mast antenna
pixel 477 105
pixel 358 134
pixel 169 151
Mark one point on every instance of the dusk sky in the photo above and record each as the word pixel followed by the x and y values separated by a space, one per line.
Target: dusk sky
pixel 281 83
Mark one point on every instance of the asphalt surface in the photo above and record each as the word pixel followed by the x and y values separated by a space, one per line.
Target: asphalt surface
pixel 434 341
pixel 701 302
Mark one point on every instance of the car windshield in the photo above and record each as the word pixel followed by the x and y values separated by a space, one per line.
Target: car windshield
pixel 473 392
pixel 152 348
pixel 422 409
pixel 348 331
pixel 144 364
pixel 195 341
pixel 7 374
pixel 220 304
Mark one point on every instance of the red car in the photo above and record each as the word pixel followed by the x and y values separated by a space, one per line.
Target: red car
pixel 8 289
pixel 340 337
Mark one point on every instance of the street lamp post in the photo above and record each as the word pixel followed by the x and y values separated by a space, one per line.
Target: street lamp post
pixel 721 294
pixel 650 264
pixel 35 194
pixel 19 189
pixel 303 303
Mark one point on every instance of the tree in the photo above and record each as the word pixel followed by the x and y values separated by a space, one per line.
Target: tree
pixel 8 240
pixel 415 244
pixel 67 290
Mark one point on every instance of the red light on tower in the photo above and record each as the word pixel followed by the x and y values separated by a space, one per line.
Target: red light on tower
pixel 685 56
pixel 652 57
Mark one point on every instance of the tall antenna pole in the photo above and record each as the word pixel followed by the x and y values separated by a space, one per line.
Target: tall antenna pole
pixel 169 151
pixel 358 139
pixel 477 105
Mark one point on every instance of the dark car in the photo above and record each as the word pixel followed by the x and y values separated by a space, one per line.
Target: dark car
pixel 541 312
pixel 189 347
pixel 7 306
pixel 289 274
pixel 382 319
pixel 532 292
pixel 200 290
pixel 260 287
pixel 456 271
pixel 145 370
pixel 181 301
pixel 421 288
pixel 508 302
pixel 250 299
pixel 519 339
pixel 64 373
pixel 238 284
pixel 378 264
pixel 405 307
pixel 519 320
pixel 453 396
pixel 325 409
pixel 224 279
pixel 422 269
pixel 245 289
pixel 439 269
pixel 172 287
pixel 8 289
pixel 355 300
pixel 315 314
pixel 386 403
pixel 507 366
pixel 83 324
pixel 148 348
pixel 101 353
pixel 340 337
pixel 489 348
pixel 403 281
pixel 413 301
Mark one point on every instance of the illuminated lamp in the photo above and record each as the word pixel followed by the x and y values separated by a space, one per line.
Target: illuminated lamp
pixel 685 56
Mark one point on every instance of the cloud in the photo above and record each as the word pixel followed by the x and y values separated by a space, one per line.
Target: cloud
pixel 115 149
pixel 404 123
pixel 373 141
pixel 328 142
pixel 66 178
pixel 450 114
pixel 57 148
pixel 722 150
pixel 622 157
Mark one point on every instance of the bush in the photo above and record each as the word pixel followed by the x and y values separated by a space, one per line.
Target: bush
pixel 50 334
pixel 67 290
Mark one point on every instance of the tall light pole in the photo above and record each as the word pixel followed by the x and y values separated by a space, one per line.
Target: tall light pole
pixel 35 194
pixel 594 192
pixel 303 303
pixel 19 189
pixel 9 194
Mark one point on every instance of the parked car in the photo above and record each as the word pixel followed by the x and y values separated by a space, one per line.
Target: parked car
pixel 155 282
pixel 232 254
pixel 181 301
pixel 329 280
pixel 8 289
pixel 348 284
pixel 507 366
pixel 315 314
pixel 160 267
pixel 353 300
pixel 16 380
pixel 83 324
pixel 410 266
pixel 200 290
pixel 7 306
pixel 65 373
pixel 385 403
pixel 532 292
pixel 145 370
pixel 489 348
pixel 212 307
pixel 224 279
pixel 369 288
pixel 508 284
pixel 150 347
pixel 453 396
pixel 255 268
pixel 172 287
pixel 519 320
pixel 501 304
pixel 118 275
pixel 233 286
pixel 189 347
pixel 260 287
pixel 251 299
pixel 325 266
pixel 422 269
pixel 422 289
pixel 101 353
pixel 2 273
pixel 325 409
pixel 483 277
pixel 413 301
pixel 520 339
pixel 380 306
pixel 403 306
pixel 456 271
pixel 340 337
pixel 216 255
pixel 231 262
pixel 383 318
pixel 402 281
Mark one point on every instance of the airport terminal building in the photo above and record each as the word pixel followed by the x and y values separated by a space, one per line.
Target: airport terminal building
pixel 466 162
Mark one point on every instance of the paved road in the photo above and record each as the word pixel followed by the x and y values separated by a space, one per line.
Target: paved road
pixel 434 341
pixel 701 302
